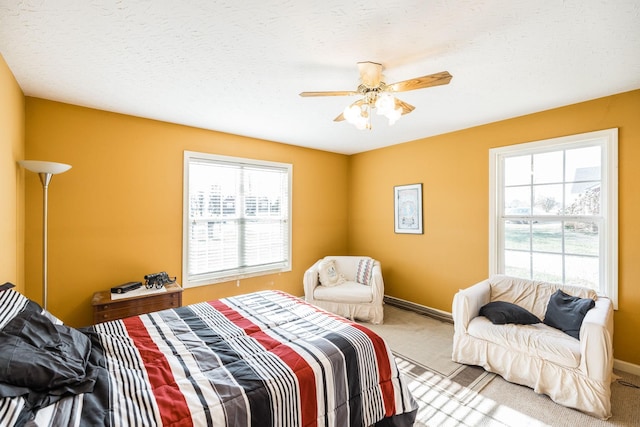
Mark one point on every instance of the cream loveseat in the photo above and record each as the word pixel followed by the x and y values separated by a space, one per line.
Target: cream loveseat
pixel 349 286
pixel 574 373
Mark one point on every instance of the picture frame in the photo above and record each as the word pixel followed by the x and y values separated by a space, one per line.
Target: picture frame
pixel 408 208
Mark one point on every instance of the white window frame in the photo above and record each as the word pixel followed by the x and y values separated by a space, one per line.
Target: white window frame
pixel 211 278
pixel 608 139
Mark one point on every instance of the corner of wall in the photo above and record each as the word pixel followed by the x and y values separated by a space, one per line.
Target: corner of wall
pixel 12 149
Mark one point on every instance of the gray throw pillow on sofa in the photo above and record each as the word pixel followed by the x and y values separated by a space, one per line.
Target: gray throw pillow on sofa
pixel 566 312
pixel 502 312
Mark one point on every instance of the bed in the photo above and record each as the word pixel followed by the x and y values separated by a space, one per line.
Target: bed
pixel 260 359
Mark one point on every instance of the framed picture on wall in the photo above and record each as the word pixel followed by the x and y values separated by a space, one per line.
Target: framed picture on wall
pixel 408 208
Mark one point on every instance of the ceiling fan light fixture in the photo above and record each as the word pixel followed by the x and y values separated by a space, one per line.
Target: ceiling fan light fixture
pixel 351 113
pixel 377 94
pixel 394 115
pixel 358 115
pixel 385 103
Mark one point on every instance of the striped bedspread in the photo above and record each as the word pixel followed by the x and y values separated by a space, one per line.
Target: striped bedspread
pixel 260 359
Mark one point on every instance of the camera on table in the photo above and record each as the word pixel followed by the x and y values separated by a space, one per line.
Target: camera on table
pixel 157 280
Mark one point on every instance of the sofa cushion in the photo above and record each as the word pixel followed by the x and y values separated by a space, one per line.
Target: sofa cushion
pixel 347 292
pixel 329 275
pixel 532 295
pixel 539 340
pixel 347 266
pixel 566 312
pixel 502 312
pixel 365 271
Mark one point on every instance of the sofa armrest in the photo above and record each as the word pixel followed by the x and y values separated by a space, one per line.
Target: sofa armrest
pixel 467 303
pixel 310 280
pixel 596 341
pixel 377 284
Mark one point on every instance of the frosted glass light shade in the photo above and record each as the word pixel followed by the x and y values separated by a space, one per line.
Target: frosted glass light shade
pixel 385 103
pixel 39 166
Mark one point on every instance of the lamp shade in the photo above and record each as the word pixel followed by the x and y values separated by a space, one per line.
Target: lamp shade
pixel 39 166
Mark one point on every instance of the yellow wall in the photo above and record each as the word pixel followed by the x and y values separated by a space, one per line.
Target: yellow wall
pixel 11 179
pixel 117 214
pixel 454 168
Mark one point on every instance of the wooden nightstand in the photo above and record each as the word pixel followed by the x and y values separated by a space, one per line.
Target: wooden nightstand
pixel 104 308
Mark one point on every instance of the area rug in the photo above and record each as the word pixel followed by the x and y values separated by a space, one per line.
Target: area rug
pixel 462 383
pixel 422 347
pixel 447 392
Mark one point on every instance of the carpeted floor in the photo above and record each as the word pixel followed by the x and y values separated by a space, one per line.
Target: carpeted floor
pixel 450 394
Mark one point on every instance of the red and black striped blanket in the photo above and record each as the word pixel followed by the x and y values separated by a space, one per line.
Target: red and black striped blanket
pixel 260 359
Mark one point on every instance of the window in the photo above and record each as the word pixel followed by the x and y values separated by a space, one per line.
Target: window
pixel 554 211
pixel 236 218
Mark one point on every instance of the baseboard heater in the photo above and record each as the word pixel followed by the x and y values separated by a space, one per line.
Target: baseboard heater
pixel 420 309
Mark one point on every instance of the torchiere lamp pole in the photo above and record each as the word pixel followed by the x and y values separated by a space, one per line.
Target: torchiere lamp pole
pixel 45 170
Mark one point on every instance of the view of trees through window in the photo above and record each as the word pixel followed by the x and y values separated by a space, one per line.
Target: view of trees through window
pixel 551 218
pixel 554 210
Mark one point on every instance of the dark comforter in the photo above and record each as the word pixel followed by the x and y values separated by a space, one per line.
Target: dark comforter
pixel 263 359
pixel 43 362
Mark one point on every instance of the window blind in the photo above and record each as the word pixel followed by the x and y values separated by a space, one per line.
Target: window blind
pixel 237 218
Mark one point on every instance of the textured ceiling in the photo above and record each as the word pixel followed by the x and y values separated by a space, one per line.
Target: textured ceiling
pixel 238 66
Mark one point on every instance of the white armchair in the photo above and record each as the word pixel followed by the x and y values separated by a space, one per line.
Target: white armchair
pixel 349 286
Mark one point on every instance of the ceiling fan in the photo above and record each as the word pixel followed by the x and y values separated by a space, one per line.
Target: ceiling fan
pixel 376 94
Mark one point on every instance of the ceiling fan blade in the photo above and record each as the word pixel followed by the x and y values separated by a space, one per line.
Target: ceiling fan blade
pixel 330 93
pixel 370 74
pixel 406 108
pixel 436 79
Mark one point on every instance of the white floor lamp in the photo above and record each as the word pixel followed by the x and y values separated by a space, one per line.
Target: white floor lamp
pixel 45 170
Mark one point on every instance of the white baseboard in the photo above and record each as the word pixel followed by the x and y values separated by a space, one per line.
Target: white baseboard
pixel 626 367
pixel 447 317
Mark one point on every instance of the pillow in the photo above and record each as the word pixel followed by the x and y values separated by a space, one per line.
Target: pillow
pixel 329 275
pixel 38 355
pixel 566 312
pixel 42 363
pixel 6 286
pixel 364 273
pixel 503 312
pixel 11 303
